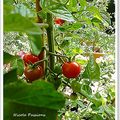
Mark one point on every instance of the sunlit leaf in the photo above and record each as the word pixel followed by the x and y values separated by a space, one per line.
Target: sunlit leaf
pixel 92 70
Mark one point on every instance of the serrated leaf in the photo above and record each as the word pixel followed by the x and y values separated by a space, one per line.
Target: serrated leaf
pixel 92 70
pixel 37 94
pixel 31 113
pixel 57 9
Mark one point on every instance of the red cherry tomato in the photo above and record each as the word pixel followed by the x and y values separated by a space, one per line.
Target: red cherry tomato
pixel 29 58
pixel 33 73
pixel 59 21
pixel 71 69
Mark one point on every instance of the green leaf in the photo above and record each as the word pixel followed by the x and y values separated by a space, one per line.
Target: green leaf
pixel 15 61
pixel 96 20
pixel 30 112
pixel 74 26
pixel 37 94
pixel 57 10
pixel 35 43
pixel 95 11
pixel 72 5
pixel 92 70
pixel 10 76
pixel 87 89
pixel 96 117
pixel 16 22
pixel 109 109
pixel 83 3
pixel 76 86
pixel 7 58
pixel 8 2
pixel 19 64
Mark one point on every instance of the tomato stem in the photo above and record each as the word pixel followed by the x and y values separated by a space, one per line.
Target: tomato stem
pixel 50 34
pixel 38 62
pixel 51 71
pixel 59 55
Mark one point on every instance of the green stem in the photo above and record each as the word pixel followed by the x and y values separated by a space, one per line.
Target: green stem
pixel 59 55
pixel 37 63
pixel 50 34
pixel 51 71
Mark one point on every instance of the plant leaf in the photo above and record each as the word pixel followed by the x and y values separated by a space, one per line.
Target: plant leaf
pixel 10 76
pixel 92 70
pixel 57 10
pixel 37 94
pixel 16 22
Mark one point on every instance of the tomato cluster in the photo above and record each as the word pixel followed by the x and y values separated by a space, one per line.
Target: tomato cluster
pixel 32 72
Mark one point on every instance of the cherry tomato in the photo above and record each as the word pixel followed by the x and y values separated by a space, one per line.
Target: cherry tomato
pixel 30 58
pixel 71 69
pixel 59 21
pixel 33 73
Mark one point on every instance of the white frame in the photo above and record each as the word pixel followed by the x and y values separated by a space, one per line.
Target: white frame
pixel 117 60
pixel 1 60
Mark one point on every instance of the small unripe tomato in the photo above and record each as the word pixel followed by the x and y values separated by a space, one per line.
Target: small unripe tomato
pixel 59 21
pixel 33 73
pixel 30 58
pixel 71 69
